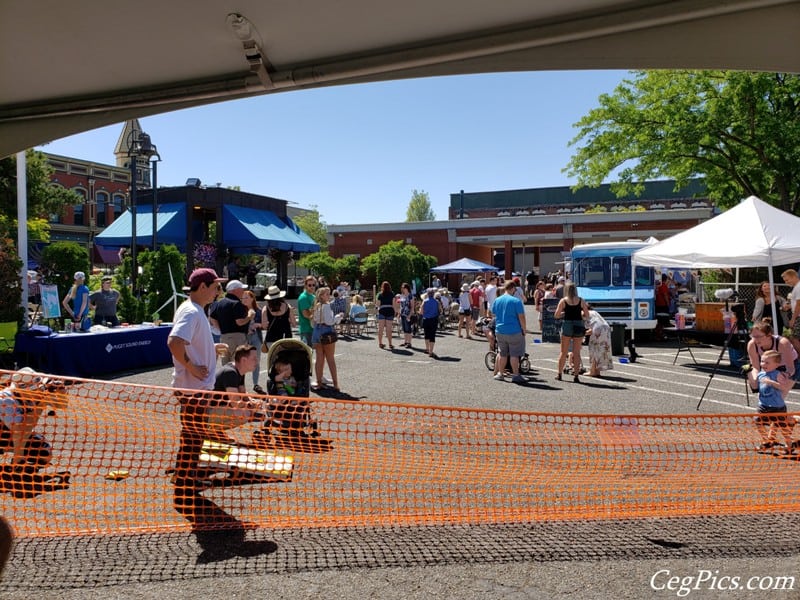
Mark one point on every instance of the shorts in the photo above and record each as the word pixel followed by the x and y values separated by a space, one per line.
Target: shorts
pixel 476 313
pixel 511 344
pixel 777 416
pixel 385 317
pixel 467 311
pixel 573 329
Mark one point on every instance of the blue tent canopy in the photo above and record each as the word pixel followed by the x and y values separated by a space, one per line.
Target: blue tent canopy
pixel 253 229
pixel 464 265
pixel 170 227
pixel 244 229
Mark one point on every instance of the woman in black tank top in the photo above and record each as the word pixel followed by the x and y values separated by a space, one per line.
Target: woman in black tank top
pixel 573 311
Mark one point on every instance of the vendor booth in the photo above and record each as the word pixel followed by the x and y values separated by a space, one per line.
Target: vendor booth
pixel 94 353
pixel 751 234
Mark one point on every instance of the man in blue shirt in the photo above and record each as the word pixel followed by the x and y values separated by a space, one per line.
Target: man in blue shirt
pixel 510 328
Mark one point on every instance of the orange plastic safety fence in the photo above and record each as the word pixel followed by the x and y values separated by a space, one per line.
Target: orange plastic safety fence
pixel 368 463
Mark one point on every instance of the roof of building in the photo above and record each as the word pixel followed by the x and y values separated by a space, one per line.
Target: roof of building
pixel 550 196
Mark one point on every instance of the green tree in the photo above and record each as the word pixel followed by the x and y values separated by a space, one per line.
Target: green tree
pixel 11 298
pixel 312 224
pixel 419 208
pixel 155 280
pixel 319 263
pixel 348 268
pixel 60 261
pixel 44 198
pixel 739 131
pixel 397 262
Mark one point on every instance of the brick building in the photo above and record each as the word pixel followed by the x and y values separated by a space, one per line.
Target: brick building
pixel 522 230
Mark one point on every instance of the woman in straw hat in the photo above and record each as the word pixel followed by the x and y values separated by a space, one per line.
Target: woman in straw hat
pixel 277 317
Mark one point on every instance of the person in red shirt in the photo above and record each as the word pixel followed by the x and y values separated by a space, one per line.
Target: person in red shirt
pixel 662 307
pixel 476 298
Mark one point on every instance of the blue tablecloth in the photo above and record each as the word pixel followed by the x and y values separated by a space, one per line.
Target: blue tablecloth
pixel 95 353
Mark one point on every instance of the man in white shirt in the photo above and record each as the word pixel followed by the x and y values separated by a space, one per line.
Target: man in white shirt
pixel 790 277
pixel 491 294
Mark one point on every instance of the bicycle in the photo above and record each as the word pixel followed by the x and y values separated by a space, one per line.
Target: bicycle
pixel 524 362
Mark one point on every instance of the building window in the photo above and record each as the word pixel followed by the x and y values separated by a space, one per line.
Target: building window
pixel 102 201
pixel 77 210
pixel 119 205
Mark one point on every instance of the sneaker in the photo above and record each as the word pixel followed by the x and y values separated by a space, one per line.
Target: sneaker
pixel 499 377
pixel 517 379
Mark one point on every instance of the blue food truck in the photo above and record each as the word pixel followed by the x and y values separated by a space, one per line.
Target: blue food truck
pixel 603 277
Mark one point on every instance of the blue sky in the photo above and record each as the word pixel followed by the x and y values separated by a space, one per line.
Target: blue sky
pixel 357 152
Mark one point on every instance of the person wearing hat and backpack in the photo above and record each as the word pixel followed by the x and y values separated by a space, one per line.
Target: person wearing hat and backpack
pixel 276 316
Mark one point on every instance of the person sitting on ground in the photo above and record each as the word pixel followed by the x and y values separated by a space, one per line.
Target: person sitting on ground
pixel 773 387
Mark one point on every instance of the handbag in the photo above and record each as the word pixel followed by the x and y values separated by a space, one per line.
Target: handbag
pixel 328 338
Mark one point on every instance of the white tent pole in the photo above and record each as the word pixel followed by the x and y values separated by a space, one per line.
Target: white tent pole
pixel 772 292
pixel 22 229
pixel 633 297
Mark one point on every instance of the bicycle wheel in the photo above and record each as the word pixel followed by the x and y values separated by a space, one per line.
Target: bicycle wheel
pixel 490 358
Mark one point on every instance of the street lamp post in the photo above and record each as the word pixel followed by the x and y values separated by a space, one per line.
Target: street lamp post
pixel 156 158
pixel 139 145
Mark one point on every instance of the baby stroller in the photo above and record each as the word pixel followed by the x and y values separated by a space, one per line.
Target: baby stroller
pixel 288 421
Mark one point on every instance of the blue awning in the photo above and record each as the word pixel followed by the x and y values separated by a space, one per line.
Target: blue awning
pixel 254 229
pixel 170 227
pixel 244 229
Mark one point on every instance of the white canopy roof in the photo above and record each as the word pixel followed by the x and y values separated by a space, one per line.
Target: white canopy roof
pixel 68 67
pixel 752 234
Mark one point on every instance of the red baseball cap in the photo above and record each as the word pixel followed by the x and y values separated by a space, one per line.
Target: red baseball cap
pixel 207 276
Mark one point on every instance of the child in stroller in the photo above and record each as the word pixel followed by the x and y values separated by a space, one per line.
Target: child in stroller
pixel 288 421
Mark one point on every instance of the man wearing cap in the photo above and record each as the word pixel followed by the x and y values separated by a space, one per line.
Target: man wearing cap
pixel 104 304
pixel 232 317
pixel 194 356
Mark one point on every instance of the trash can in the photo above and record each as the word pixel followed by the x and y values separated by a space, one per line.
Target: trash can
pixel 617 338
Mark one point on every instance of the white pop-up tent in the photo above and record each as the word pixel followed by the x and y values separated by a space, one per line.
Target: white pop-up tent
pixel 751 234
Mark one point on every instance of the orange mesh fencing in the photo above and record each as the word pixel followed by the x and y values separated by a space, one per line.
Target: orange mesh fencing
pixel 371 463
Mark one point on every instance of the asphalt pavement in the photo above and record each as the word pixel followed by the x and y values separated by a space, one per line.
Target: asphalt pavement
pixel 711 557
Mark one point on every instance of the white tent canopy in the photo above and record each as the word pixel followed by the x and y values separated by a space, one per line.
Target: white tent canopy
pixel 751 234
